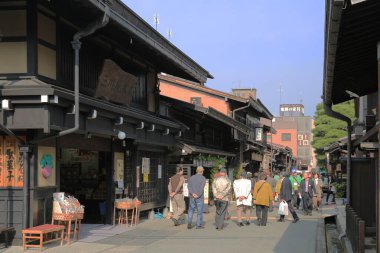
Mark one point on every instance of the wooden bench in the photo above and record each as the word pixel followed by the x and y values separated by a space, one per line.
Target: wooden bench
pixel 6 231
pixel 44 234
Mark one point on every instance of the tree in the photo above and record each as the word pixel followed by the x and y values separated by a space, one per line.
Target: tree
pixel 329 130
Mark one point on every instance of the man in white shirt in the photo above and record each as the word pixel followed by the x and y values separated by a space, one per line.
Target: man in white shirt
pixel 242 189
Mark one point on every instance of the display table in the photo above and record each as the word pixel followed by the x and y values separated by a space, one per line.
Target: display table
pixel 123 207
pixel 68 220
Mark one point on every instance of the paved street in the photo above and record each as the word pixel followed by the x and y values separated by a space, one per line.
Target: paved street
pixel 162 236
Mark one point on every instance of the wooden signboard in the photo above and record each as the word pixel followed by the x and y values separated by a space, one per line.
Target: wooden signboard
pixel 11 163
pixel 115 84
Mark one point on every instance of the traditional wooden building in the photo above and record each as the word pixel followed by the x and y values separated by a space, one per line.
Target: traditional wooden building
pixel 241 110
pixel 351 70
pixel 80 107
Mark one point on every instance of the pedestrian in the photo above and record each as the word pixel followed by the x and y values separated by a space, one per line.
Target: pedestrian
pixel 254 180
pixel 216 175
pixel 278 186
pixel 221 188
pixel 175 188
pixel 307 190
pixel 331 189
pixel 318 194
pixel 242 189
pixel 277 175
pixel 286 195
pixel 272 184
pixel 295 179
pixel 262 195
pixel 196 185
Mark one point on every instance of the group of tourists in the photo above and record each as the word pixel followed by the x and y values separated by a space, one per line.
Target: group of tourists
pixel 259 191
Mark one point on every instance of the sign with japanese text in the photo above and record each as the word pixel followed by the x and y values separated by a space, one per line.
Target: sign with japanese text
pixel 11 163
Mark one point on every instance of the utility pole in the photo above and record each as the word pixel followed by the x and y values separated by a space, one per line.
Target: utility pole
pixel 170 34
pixel 280 90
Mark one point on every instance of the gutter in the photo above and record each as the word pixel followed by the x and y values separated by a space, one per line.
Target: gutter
pixel 329 111
pixel 76 44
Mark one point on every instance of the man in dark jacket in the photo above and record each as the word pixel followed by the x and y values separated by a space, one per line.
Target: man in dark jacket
pixel 286 195
pixel 307 191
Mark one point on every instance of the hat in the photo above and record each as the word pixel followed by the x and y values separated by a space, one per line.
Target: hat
pixel 222 170
pixel 243 174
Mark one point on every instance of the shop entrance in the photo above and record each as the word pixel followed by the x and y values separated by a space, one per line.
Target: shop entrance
pixel 84 175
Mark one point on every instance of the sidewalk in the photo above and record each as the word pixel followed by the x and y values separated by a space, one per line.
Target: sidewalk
pixel 161 236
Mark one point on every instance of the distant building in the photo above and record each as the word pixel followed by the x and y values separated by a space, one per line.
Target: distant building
pixel 245 93
pixel 293 129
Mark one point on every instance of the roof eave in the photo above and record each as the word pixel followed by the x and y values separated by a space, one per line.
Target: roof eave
pixel 332 25
pixel 177 57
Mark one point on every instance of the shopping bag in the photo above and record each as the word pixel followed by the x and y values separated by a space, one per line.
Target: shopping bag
pixel 283 208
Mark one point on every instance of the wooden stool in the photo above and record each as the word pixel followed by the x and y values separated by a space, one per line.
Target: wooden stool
pixel 123 213
pixel 136 211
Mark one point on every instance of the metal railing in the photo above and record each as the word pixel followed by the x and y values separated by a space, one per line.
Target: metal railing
pixel 355 230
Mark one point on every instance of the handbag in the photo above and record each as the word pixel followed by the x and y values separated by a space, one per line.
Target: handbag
pixel 283 209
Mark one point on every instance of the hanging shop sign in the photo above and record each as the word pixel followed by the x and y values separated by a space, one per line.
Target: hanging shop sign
pixel 146 178
pixel 145 165
pixel 118 166
pixel 11 162
pixel 159 174
pixel 206 191
pixel 114 84
pixel 137 176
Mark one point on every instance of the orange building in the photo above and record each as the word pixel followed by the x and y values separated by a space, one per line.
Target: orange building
pixel 286 137
pixel 191 92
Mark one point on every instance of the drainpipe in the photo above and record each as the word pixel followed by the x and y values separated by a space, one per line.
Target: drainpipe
pixel 76 44
pixel 241 142
pixel 329 111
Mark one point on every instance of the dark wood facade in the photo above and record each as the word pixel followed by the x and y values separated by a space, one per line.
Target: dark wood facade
pixel 37 82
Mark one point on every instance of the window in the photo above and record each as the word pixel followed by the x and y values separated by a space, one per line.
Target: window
pixel 286 137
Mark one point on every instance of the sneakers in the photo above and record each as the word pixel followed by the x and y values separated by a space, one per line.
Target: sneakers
pixel 199 227
pixel 189 226
pixel 296 220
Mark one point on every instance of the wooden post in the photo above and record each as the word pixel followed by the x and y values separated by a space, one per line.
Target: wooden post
pixel 378 160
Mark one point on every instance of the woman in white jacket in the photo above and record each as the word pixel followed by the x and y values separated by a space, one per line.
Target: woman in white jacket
pixel 242 189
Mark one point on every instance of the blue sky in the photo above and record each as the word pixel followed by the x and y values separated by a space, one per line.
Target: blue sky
pixel 262 44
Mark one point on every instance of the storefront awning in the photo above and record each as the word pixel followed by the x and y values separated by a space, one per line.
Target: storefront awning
pixel 194 149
